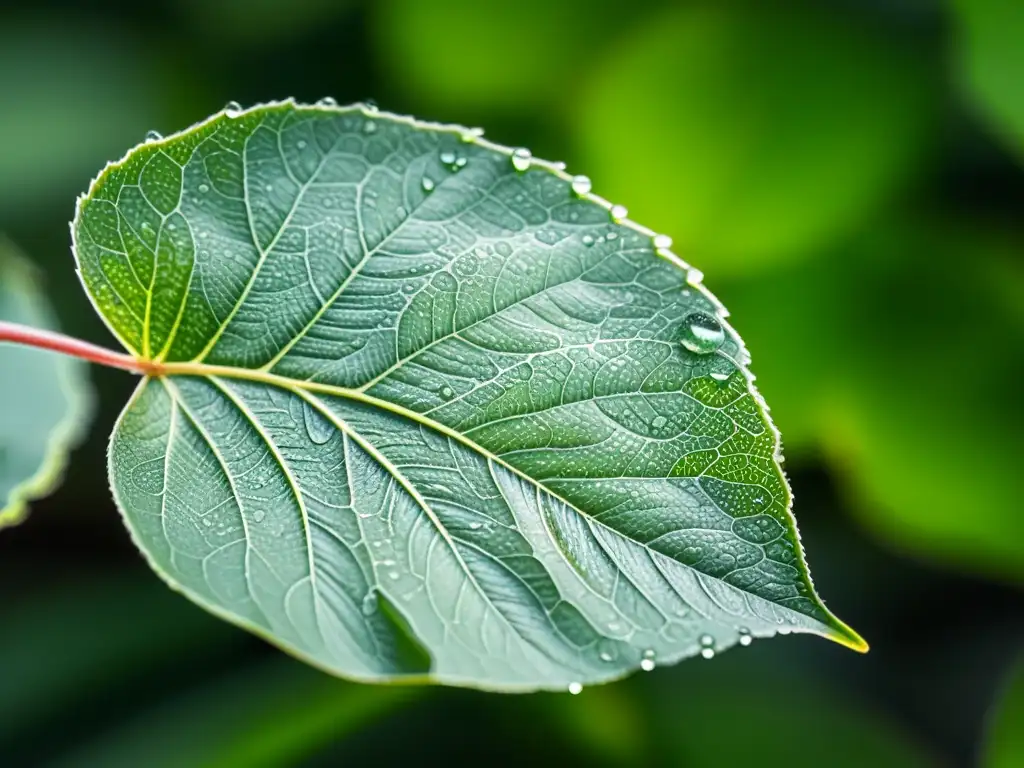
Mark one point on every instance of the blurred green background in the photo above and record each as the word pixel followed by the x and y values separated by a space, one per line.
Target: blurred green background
pixel 849 174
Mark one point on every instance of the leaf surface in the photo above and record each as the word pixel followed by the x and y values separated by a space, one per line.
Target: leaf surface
pixel 428 413
pixel 46 398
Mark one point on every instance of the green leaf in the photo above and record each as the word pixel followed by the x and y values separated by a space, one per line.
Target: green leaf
pixel 765 133
pixel 1005 743
pixel 422 412
pixel 991 61
pixel 47 398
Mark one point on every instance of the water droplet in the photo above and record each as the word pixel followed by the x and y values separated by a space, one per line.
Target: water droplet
pixel 613 626
pixel 153 136
pixel 662 241
pixel 393 575
pixel 258 516
pixel 588 240
pixel 204 188
pixel 707 649
pixel 720 376
pixel 647 662
pixel 269 187
pixel 300 144
pixel 745 638
pixel 581 184
pixel 619 212
pixel 327 101
pixel 605 656
pixel 575 688
pixel 702 334
pixel 370 105
pixel 447 157
pixel 369 127
pixel 428 184
pixel 370 603
pixel 232 109
pixel 460 162
pixel 447 393
pixel 707 653
pixel 471 134
pixel 694 277
pixel 207 522
pixel 658 422
pixel 521 159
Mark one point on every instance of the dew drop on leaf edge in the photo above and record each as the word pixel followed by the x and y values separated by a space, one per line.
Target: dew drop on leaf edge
pixel 521 159
pixel 581 185
pixel 701 333
pixel 575 688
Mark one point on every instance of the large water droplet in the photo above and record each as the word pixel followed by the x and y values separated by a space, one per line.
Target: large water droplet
pixel 370 105
pixel 370 603
pixel 447 157
pixel 327 101
pixel 521 159
pixel 232 108
pixel 581 184
pixel 428 184
pixel 662 241
pixel 153 136
pixel 702 334
pixel 745 638
pixel 588 240
pixel 575 688
pixel 619 212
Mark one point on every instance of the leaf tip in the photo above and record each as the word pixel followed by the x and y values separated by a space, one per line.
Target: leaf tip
pixel 845 635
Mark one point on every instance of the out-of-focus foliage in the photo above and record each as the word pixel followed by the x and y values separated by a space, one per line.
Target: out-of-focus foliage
pixel 70 104
pixel 913 363
pixel 1005 745
pixel 755 134
pixel 251 22
pixel 991 57
pixel 45 399
pixel 501 57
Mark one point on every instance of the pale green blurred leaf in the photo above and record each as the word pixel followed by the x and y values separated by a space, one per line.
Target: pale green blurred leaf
pixel 1004 745
pixel 376 331
pixel 45 399
pixel 271 715
pixel 900 358
pixel 990 53
pixel 502 55
pixel 753 134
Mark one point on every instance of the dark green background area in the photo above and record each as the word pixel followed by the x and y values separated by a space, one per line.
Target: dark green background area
pixel 847 173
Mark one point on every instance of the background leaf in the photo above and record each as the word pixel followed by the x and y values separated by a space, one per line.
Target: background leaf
pixel 750 112
pixel 991 60
pixel 429 409
pixel 53 397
